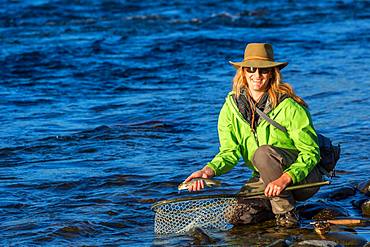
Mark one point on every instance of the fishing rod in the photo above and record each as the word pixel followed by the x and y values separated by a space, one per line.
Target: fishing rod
pixel 294 187
pixel 342 221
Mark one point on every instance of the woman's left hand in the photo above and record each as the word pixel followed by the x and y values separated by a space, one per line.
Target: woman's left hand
pixel 275 187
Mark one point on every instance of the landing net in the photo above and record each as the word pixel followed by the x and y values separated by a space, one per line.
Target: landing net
pixel 214 211
pixel 182 216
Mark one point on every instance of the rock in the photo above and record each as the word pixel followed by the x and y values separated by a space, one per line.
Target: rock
pixel 308 210
pixel 200 237
pixel 357 203
pixel 329 213
pixel 346 238
pixel 342 193
pixel 365 208
pixel 279 243
pixel 363 205
pixel 319 243
pixel 364 187
pixel 324 210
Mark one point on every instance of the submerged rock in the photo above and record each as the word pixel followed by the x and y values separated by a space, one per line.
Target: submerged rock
pixel 319 243
pixel 364 187
pixel 363 205
pixel 308 210
pixel 329 213
pixel 334 239
pixel 365 208
pixel 320 211
pixel 279 243
pixel 358 203
pixel 342 193
pixel 346 238
pixel 200 237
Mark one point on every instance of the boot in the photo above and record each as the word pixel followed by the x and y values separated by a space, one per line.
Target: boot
pixel 288 220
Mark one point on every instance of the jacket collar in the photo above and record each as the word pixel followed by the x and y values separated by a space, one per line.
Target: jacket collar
pixel 243 107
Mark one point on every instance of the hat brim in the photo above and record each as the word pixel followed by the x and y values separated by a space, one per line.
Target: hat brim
pixel 259 64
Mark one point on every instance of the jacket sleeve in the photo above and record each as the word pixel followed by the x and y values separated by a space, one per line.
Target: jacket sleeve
pixel 303 134
pixel 229 153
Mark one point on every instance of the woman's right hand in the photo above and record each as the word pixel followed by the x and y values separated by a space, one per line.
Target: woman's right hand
pixel 206 172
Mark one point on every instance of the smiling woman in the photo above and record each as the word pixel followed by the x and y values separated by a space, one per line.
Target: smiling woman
pixel 257 79
pixel 277 158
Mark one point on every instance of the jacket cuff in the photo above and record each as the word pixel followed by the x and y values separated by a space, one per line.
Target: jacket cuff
pixel 294 178
pixel 210 165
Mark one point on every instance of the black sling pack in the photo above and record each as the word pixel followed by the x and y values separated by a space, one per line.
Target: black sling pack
pixel 329 153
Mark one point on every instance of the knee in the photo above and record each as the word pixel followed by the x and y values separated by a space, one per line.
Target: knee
pixel 262 156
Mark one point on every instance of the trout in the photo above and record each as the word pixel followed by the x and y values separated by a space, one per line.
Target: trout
pixel 207 182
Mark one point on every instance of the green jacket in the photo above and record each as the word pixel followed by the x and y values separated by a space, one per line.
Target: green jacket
pixel 237 138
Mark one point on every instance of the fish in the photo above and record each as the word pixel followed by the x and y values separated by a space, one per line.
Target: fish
pixel 207 182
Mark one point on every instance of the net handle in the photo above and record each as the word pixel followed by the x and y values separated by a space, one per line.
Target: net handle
pixel 244 195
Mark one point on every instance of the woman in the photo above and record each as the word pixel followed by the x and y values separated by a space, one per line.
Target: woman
pixel 277 157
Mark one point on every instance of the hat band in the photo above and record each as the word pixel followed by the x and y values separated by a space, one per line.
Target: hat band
pixel 258 58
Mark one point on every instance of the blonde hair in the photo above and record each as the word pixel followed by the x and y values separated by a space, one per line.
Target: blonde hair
pixel 275 87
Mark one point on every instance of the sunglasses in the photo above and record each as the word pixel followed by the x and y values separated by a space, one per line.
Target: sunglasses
pixel 261 70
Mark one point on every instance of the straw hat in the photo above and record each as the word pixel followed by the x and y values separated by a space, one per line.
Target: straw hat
pixel 259 55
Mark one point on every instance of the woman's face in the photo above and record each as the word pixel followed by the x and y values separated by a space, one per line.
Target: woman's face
pixel 257 78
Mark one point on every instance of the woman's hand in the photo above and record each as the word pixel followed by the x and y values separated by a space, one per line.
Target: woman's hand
pixel 275 187
pixel 206 172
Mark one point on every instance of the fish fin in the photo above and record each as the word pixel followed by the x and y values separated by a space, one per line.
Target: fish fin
pixel 217 182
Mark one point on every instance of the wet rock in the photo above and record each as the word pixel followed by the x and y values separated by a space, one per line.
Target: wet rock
pixel 279 243
pixel 200 237
pixel 342 193
pixel 358 203
pixel 308 210
pixel 290 235
pixel 329 213
pixel 319 243
pixel 346 238
pixel 365 208
pixel 364 187
pixel 322 210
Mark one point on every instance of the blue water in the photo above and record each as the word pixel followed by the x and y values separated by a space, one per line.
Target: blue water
pixel 105 106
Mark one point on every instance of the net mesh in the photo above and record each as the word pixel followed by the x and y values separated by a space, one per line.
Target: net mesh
pixel 207 213
pixel 179 217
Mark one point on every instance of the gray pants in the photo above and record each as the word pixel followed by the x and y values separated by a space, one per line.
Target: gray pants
pixel 271 162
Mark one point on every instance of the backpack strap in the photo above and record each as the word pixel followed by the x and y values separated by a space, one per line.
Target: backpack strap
pixel 282 128
pixel 272 122
pixel 326 173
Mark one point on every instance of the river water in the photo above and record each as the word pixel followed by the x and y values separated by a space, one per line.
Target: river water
pixel 106 106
